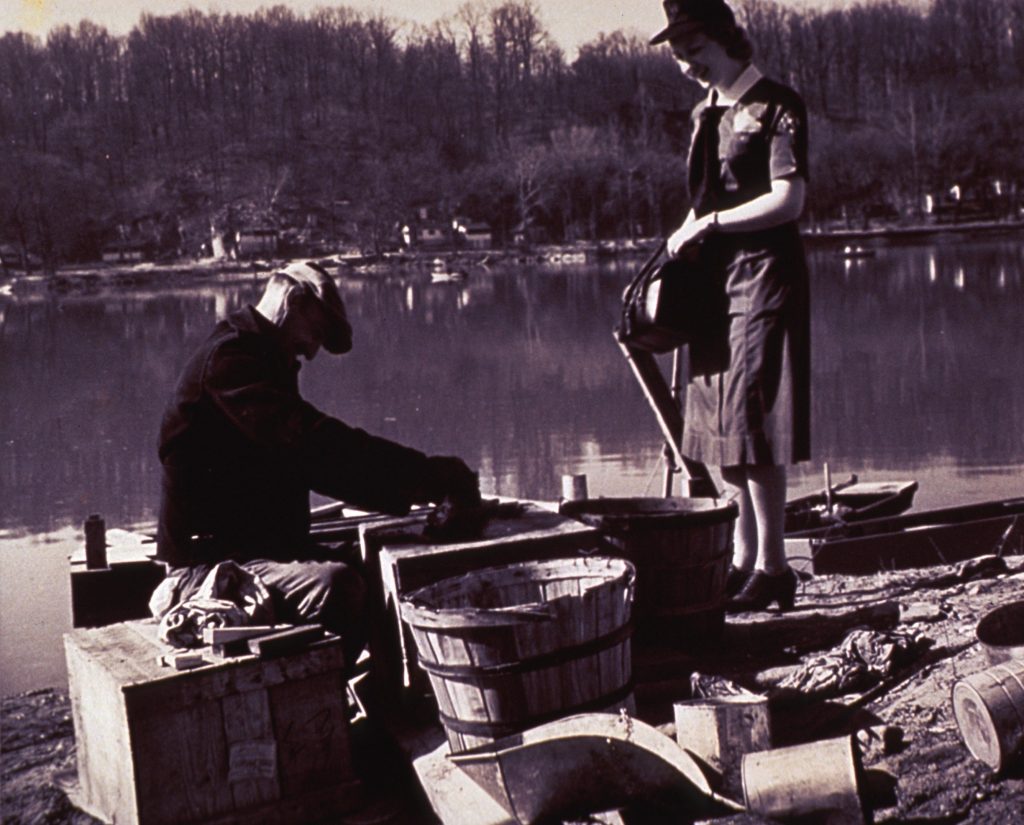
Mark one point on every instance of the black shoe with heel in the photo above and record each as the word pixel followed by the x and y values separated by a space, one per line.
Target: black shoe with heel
pixel 761 590
pixel 735 580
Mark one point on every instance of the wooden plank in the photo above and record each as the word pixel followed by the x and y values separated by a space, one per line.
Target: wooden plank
pixel 180 760
pixel 960 514
pixel 129 654
pixel 214 681
pixel 252 751
pixel 128 657
pixel 220 635
pixel 284 642
pixel 311 730
pixel 669 417
pixel 318 805
pixel 103 745
pixel 922 547
pixel 416 563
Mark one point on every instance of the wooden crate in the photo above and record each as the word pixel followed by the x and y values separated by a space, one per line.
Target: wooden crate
pixel 403 560
pixel 121 590
pixel 245 740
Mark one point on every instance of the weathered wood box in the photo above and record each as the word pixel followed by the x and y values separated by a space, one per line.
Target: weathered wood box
pixel 119 591
pixel 244 740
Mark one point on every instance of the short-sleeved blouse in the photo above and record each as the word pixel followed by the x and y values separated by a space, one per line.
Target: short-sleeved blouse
pixel 761 137
pixel 748 394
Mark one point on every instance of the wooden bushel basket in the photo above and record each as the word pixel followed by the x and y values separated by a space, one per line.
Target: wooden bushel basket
pixel 508 648
pixel 681 548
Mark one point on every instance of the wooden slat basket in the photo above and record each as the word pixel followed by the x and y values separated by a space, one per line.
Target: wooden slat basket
pixel 508 648
pixel 682 548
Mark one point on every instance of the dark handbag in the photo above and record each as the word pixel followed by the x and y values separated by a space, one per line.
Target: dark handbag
pixel 671 302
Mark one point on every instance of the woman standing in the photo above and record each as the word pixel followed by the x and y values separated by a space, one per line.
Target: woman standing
pixel 748 396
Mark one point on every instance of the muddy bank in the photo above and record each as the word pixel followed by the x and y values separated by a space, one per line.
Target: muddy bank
pixel 37 753
pixel 938 780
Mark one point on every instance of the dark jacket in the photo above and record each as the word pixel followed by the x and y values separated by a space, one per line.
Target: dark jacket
pixel 241 452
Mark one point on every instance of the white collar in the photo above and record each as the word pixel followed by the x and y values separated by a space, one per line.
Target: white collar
pixel 740 86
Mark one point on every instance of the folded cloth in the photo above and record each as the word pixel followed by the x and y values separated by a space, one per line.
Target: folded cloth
pixel 183 625
pixel 228 596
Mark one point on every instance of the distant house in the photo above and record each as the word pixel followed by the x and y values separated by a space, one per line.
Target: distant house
pixel 431 233
pixel 120 252
pixel 11 258
pixel 256 241
pixel 478 236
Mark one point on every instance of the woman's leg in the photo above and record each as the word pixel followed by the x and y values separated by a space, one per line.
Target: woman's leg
pixel 761 494
pixel 745 541
pixel 766 486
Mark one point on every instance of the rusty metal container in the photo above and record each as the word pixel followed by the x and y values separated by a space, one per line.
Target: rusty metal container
pixel 989 710
pixel 1001 633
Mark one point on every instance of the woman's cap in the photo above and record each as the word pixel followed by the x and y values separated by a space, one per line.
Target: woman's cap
pixel 313 277
pixel 687 16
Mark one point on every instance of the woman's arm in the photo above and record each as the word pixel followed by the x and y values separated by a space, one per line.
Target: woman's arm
pixel 784 203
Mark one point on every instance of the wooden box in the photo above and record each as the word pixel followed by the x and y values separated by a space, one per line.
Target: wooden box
pixel 244 740
pixel 121 590
pixel 405 561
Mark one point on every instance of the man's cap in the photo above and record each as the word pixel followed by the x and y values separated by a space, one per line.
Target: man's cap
pixel 687 16
pixel 314 278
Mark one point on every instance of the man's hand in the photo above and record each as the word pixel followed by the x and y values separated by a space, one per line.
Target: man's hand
pixel 448 477
pixel 455 489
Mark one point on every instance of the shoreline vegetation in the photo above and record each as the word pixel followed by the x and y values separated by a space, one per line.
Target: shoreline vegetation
pixel 441 264
pixel 347 129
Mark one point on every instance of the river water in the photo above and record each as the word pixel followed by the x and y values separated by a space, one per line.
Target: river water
pixel 916 374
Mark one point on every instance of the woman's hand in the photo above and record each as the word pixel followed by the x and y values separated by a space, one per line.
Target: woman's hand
pixel 691 232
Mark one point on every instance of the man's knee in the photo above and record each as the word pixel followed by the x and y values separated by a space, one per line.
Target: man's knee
pixel 338 599
pixel 349 583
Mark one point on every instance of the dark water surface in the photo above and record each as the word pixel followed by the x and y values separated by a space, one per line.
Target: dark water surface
pixel 917 374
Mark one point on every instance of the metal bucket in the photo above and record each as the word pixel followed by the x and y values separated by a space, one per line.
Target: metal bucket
pixel 989 710
pixel 821 778
pixel 681 547
pixel 720 730
pixel 509 648
pixel 1001 633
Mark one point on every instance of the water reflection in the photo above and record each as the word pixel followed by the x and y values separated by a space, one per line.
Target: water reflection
pixel 915 364
pixel 915 358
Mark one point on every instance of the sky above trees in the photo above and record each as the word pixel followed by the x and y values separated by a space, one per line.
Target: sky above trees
pixel 570 22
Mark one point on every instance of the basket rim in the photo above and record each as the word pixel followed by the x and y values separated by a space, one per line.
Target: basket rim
pixel 417 611
pixel 602 510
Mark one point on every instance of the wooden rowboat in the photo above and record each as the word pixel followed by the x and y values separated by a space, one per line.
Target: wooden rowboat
pixel 848 502
pixel 919 539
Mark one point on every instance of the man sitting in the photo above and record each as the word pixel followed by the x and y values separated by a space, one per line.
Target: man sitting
pixel 241 451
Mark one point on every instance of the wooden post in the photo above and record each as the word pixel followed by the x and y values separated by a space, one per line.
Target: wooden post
pixel 95 543
pixel 698 481
pixel 676 390
pixel 574 487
